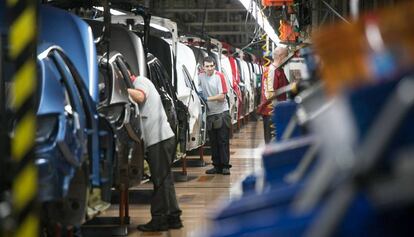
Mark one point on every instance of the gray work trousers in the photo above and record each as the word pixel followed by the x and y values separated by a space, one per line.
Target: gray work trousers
pixel 164 201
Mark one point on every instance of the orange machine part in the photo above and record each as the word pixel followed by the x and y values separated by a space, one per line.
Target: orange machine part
pixel 345 52
pixel 269 3
pixel 286 32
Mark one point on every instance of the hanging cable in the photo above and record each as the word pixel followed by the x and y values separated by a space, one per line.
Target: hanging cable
pixel 335 12
pixel 204 19
pixel 106 33
pixel 256 30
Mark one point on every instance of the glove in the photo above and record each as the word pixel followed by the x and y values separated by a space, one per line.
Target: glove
pixel 202 96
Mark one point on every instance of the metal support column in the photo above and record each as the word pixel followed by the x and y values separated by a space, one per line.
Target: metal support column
pixel 20 57
pixel 3 126
pixel 315 14
pixel 3 147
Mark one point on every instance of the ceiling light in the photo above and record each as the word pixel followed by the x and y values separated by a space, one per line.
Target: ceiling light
pixel 112 11
pixel 254 10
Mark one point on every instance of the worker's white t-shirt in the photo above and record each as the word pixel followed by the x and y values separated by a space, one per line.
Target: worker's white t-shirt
pixel 211 86
pixel 155 122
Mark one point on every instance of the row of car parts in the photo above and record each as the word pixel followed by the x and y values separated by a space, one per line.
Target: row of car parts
pixel 89 136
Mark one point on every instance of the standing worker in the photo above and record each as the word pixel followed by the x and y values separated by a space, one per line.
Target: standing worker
pixel 273 79
pixel 160 144
pixel 213 90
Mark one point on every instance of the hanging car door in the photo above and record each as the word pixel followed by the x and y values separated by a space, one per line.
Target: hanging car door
pixel 74 110
pixel 198 113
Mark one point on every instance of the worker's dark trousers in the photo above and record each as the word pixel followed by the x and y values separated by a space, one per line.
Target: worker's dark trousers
pixel 164 201
pixel 219 141
pixel 267 128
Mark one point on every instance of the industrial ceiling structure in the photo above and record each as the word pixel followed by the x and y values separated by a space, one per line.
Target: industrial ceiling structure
pixel 229 20
pixel 226 20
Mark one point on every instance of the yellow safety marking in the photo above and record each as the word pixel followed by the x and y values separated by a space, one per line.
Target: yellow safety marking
pixel 29 227
pixel 295 88
pixel 265 48
pixel 24 84
pixel 24 187
pixel 11 3
pixel 22 32
pixel 24 137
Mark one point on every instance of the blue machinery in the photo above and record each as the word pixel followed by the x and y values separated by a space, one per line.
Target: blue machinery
pixel 340 167
pixel 327 184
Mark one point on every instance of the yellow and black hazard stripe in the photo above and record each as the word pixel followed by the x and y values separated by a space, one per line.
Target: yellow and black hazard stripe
pixel 21 54
pixel 266 50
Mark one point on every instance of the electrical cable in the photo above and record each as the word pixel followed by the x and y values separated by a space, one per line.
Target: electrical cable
pixel 335 12
pixel 106 33
pixel 204 18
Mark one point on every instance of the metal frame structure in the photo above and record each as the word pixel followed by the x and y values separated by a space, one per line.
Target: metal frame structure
pixel 225 20
pixel 329 11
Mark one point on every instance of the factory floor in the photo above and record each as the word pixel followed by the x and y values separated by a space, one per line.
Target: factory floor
pixel 202 195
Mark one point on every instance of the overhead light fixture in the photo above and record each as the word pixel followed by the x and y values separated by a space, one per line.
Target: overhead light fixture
pixel 254 10
pixel 156 26
pixel 112 11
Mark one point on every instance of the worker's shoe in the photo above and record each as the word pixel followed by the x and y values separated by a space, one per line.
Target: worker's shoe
pixel 225 171
pixel 213 170
pixel 154 226
pixel 175 223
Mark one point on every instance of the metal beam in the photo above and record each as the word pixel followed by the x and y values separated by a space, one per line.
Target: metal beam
pixel 226 32
pixel 185 10
pixel 315 14
pixel 334 11
pixel 221 23
pixel 258 15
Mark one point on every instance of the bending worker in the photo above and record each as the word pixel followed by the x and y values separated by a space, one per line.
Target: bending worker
pixel 160 144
